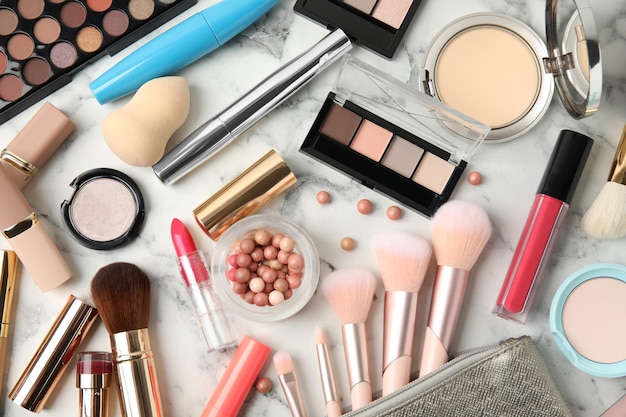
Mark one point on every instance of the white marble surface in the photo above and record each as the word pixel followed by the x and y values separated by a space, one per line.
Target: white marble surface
pixel 511 174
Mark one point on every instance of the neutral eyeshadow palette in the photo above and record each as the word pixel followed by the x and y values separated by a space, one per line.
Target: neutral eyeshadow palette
pixel 44 42
pixel 393 139
pixel 376 24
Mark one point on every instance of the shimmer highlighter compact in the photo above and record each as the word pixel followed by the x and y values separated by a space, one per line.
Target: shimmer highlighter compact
pixel 378 25
pixel 44 42
pixel 392 138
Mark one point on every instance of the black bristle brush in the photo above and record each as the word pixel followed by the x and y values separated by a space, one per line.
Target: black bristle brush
pixel 121 293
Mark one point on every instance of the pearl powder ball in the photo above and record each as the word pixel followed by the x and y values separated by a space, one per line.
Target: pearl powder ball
pixel 257 285
pixel 276 297
pixel 364 206
pixel 394 212
pixel 475 178
pixel 347 243
pixel 323 197
pixel 263 385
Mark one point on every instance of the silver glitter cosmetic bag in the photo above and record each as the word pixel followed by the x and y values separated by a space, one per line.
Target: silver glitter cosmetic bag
pixel 510 379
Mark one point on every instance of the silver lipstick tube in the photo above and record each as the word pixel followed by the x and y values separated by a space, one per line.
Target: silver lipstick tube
pixel 212 136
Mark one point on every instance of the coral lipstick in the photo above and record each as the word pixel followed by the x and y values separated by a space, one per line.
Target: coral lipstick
pixel 206 306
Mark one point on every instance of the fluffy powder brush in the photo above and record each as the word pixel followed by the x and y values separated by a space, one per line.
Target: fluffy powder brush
pixel 606 218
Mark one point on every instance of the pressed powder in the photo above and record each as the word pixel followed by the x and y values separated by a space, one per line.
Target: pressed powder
pixel 593 319
pixel 105 210
pixel 488 73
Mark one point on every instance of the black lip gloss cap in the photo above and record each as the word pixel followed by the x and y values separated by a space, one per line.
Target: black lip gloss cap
pixel 565 166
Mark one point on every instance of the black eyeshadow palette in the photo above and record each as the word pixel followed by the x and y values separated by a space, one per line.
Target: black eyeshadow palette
pixel 378 25
pixel 43 43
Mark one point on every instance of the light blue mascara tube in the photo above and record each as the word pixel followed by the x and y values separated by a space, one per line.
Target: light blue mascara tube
pixel 179 46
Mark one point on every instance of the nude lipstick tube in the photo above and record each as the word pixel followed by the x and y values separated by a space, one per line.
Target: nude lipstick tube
pixel 8 276
pixel 212 136
pixel 94 377
pixel 234 385
pixel 207 307
pixel 54 355
pixel 27 153
pixel 542 227
pixel 20 225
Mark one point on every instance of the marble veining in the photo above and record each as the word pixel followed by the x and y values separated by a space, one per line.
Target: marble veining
pixel 511 172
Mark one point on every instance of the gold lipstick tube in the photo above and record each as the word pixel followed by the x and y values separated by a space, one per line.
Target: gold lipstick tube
pixel 136 374
pixel 43 372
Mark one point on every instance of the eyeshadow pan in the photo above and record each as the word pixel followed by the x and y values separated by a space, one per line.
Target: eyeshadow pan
pixel 20 46
pixel 433 173
pixel 8 21
pixel 47 30
pixel 115 22
pixel 3 62
pixel 392 12
pixel 10 87
pixel 141 9
pixel 36 71
pixel 364 6
pixel 340 124
pixel 99 5
pixel 63 55
pixel 371 140
pixel 402 156
pixel 30 9
pixel 89 38
pixel 73 14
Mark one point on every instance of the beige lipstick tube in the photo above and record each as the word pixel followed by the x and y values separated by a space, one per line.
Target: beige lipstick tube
pixel 20 225
pixel 27 153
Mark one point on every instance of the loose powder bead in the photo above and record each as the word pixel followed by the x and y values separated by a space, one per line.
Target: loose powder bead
pixel 364 206
pixel 394 212
pixel 257 284
pixel 347 243
pixel 264 268
pixel 276 297
pixel 475 178
pixel 323 197
pixel 263 385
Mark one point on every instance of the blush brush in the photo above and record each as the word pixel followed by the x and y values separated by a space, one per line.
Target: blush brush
pixel 350 293
pixel 121 293
pixel 460 232
pixel 403 260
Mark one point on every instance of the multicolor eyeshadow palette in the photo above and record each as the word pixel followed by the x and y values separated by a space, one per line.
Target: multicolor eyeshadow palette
pixel 376 24
pixel 44 42
pixel 418 163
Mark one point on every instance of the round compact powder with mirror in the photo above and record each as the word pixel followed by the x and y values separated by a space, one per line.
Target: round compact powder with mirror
pixel 497 70
pixel 106 209
pixel 587 319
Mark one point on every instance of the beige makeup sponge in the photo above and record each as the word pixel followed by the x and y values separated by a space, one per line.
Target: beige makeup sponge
pixel 138 132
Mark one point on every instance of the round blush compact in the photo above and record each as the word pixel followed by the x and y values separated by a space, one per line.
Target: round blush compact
pixel 106 209
pixel 497 70
pixel 587 319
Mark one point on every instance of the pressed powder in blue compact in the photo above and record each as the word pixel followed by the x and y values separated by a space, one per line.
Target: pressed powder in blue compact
pixel 587 319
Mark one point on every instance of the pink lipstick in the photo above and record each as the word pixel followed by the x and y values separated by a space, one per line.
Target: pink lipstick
pixel 208 310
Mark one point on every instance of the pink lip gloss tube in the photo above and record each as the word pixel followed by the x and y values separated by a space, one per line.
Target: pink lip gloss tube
pixel 542 227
